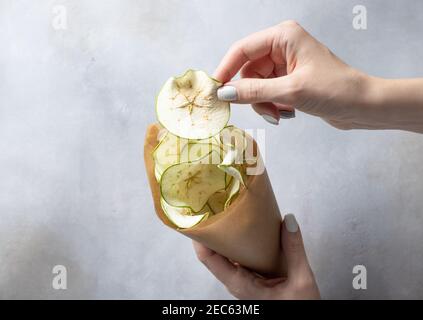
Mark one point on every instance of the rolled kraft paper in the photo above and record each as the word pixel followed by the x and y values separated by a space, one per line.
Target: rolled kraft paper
pixel 247 232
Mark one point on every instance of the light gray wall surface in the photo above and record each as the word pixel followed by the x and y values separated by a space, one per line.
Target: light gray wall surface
pixel 74 106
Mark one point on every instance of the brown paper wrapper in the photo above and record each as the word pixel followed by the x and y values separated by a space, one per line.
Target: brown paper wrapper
pixel 247 232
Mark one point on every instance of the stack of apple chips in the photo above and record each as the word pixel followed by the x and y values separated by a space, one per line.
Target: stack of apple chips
pixel 199 178
pixel 199 161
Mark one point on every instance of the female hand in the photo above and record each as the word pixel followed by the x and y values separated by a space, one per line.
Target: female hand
pixel 245 284
pixel 284 67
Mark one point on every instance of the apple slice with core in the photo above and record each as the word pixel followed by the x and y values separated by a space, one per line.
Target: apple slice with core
pixel 191 184
pixel 188 107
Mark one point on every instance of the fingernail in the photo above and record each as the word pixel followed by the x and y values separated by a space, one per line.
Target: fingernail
pixel 287 114
pixel 270 119
pixel 227 93
pixel 291 223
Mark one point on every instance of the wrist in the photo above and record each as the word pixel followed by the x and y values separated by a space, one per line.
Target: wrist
pixel 364 101
pixel 373 102
pixel 393 103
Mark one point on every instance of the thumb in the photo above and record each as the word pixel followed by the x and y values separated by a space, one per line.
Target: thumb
pixel 253 90
pixel 293 247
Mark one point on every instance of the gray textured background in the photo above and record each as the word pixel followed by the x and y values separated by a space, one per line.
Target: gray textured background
pixel 74 105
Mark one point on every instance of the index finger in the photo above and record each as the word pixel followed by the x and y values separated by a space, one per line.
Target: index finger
pixel 250 48
pixel 232 276
pixel 221 267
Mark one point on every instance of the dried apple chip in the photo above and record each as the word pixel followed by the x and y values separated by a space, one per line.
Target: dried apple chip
pixel 188 106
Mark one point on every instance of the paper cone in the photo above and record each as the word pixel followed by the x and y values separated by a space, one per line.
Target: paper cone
pixel 247 232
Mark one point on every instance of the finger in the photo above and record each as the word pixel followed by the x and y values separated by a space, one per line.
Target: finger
pixel 269 283
pixel 279 70
pixel 293 246
pixel 221 267
pixel 273 109
pixel 250 48
pixel 261 68
pixel 253 90
pixel 285 111
pixel 284 107
pixel 240 282
pixel 266 108
pixel 226 272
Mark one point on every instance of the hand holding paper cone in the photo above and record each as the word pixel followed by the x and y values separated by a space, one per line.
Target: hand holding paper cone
pixel 245 284
pixel 247 232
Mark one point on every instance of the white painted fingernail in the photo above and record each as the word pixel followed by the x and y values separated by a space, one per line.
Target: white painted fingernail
pixel 270 119
pixel 227 93
pixel 287 114
pixel 291 223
